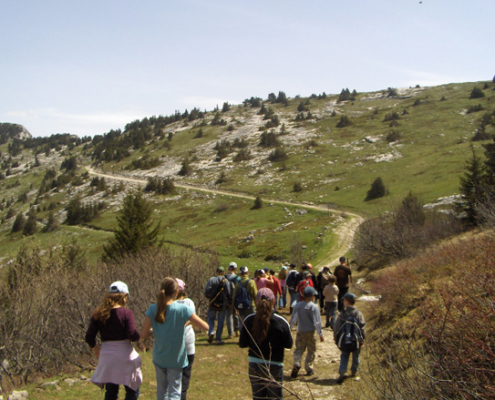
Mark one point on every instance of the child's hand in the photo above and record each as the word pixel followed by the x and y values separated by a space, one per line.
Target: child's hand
pixel 322 338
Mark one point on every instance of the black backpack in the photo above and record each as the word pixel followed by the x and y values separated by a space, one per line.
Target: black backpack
pixel 217 297
pixel 242 299
pixel 291 279
pixel 349 335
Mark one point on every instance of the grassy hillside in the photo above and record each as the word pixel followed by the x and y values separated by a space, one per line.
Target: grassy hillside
pixel 425 151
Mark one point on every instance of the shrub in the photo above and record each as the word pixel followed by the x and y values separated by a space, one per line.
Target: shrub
pixel 392 92
pixel 221 179
pixel 186 168
pixel 242 155
pixel 376 191
pixel 30 227
pixel 225 107
pixel 297 187
pixel 258 203
pixel 269 139
pixel 199 134
pixel 391 116
pixel 160 185
pixel 302 107
pixel 45 337
pixel 19 223
pixel 392 136
pixel 344 121
pixel 278 154
pixel 473 109
pixel 476 93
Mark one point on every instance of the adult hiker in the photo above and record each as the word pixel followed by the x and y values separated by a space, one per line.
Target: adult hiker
pixel 291 282
pixel 244 296
pixel 343 274
pixel 232 328
pixel 219 295
pixel 267 335
pixel 118 362
pixel 321 282
pixel 282 276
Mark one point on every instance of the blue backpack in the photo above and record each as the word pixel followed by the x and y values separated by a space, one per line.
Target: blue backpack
pixel 242 299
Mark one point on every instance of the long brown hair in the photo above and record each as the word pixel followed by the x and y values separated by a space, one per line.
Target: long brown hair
pixel 102 312
pixel 261 322
pixel 282 274
pixel 167 290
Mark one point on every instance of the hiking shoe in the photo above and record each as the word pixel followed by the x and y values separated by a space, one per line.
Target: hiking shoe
pixel 295 371
pixel 210 339
pixel 341 378
pixel 353 374
pixel 310 372
pixel 237 333
pixel 219 342
pixel 230 337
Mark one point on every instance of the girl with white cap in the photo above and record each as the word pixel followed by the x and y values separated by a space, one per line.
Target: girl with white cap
pixel 118 362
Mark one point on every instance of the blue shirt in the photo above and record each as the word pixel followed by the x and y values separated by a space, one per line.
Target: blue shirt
pixel 169 350
pixel 307 316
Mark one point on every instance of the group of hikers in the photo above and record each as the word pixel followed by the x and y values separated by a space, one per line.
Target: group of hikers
pixel 248 306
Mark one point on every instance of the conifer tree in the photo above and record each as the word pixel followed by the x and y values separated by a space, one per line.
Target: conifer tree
pixel 135 231
pixel 471 189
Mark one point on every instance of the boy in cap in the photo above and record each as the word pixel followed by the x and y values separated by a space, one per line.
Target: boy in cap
pixel 307 316
pixel 349 333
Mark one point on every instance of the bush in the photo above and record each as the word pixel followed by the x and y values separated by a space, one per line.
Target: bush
pixel 443 349
pixel 225 107
pixel 258 203
pixel 476 93
pixel 45 337
pixel 199 134
pixel 376 191
pixel 406 229
pixel 160 185
pixel 297 187
pixel 473 109
pixel 19 223
pixel 242 155
pixel 391 116
pixel 278 154
pixel 392 92
pixel 392 136
pixel 344 121
pixel 269 139
pixel 186 168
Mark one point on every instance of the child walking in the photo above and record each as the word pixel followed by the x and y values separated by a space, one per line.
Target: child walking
pixel 349 333
pixel 190 339
pixel 166 320
pixel 307 316
pixel 118 362
pixel 331 292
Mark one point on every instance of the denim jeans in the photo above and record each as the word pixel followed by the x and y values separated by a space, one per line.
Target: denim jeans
pixel 243 314
pixel 331 313
pixel 212 316
pixel 230 318
pixel 344 360
pixel 340 296
pixel 282 301
pixel 112 392
pixel 266 381
pixel 186 376
pixel 168 383
pixel 294 297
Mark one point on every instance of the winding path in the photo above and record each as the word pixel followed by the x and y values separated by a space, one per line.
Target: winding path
pixel 345 231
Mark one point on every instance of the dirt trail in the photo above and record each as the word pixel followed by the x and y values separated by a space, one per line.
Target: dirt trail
pixel 345 231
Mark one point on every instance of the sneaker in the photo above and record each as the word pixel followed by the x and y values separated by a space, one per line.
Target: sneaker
pixel 237 333
pixel 210 339
pixel 295 371
pixel 310 372
pixel 341 378
pixel 219 342
pixel 353 374
pixel 230 337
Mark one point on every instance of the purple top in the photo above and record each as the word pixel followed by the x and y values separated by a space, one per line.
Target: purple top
pixel 119 326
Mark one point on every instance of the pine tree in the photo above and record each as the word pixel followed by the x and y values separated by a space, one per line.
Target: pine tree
pixel 472 187
pixel 134 232
pixel 258 203
pixel 30 227
pixel 19 223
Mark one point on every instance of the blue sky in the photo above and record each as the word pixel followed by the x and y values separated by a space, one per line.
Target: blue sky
pixel 85 67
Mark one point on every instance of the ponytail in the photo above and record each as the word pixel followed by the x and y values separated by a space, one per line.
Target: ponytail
pixel 261 322
pixel 167 290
